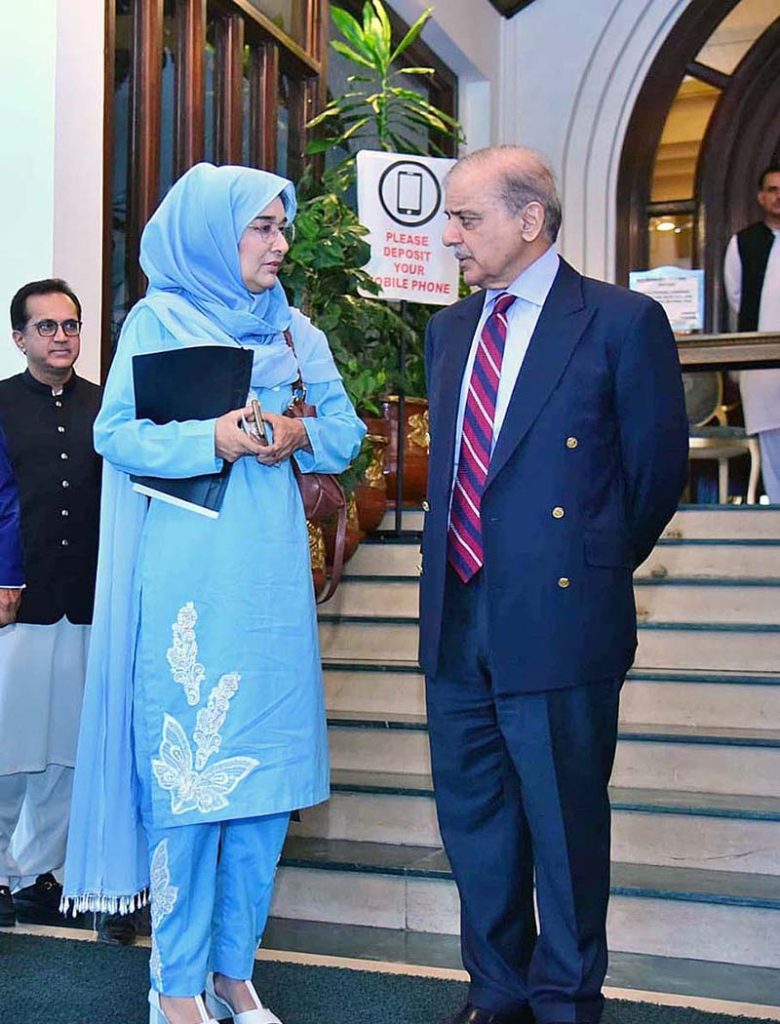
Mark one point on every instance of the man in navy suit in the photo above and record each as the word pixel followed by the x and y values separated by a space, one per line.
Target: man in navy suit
pixel 559 449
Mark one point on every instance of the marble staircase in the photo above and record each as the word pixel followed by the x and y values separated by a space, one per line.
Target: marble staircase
pixel 696 785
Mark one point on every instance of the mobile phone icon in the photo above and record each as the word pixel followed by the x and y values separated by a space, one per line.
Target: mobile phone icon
pixel 409 193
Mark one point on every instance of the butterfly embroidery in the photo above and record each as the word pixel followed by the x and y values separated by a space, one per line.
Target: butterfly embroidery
pixel 164 896
pixel 204 791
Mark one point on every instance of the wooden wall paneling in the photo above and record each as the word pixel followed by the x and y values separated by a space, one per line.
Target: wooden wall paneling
pixel 189 140
pixel 300 106
pixel 264 104
pixel 257 22
pixel 107 303
pixel 229 68
pixel 322 15
pixel 145 133
pixel 317 88
pixel 311 14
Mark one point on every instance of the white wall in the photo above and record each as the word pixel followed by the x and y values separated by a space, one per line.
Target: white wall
pixel 27 63
pixel 570 80
pixel 51 124
pixel 468 36
pixel 78 165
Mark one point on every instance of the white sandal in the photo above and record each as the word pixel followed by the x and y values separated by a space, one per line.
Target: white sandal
pixel 220 1009
pixel 157 1015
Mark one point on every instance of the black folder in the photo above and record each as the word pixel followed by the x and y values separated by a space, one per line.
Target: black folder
pixel 197 383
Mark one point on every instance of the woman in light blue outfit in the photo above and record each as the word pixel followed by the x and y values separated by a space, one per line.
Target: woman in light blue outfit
pixel 204 722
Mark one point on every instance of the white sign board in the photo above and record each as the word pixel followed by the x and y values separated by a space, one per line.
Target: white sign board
pixel 400 201
pixel 680 292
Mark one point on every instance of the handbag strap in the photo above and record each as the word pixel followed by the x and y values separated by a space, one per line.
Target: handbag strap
pixel 298 386
pixel 299 398
pixel 338 557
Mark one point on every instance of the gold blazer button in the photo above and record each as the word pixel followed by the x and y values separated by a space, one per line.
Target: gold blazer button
pixel 564 582
pixel 426 507
pixel 571 442
pixel 558 512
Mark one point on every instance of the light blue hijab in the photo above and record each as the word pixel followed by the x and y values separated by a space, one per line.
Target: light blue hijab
pixel 189 253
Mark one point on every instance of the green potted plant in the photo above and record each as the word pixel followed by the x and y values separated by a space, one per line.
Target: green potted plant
pixel 379 106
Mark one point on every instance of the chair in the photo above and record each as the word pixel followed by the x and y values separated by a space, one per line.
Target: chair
pixel 704 403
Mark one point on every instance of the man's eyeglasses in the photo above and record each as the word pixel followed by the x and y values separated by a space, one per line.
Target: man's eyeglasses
pixel 48 328
pixel 269 230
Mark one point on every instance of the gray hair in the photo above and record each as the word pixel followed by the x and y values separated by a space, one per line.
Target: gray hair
pixel 523 176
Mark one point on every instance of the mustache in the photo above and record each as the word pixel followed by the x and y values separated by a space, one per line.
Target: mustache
pixel 461 254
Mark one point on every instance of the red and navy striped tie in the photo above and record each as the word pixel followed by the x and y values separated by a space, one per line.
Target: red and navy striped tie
pixel 464 549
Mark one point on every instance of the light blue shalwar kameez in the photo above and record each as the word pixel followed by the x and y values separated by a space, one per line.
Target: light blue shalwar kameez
pixel 228 721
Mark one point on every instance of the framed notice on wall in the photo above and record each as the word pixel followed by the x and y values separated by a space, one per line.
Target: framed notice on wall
pixel 680 292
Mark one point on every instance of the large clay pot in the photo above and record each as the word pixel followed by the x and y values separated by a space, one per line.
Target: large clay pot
pixel 371 492
pixel 416 446
pixel 317 556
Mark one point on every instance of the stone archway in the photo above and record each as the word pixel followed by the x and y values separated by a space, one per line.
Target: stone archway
pixel 742 136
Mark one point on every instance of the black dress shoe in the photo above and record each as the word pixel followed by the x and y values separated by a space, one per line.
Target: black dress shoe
pixel 39 902
pixel 7 912
pixel 123 929
pixel 473 1015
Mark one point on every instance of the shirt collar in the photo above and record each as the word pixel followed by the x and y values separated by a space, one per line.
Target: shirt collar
pixel 534 283
pixel 45 389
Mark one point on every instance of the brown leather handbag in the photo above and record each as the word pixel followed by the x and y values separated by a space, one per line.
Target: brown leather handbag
pixel 322 495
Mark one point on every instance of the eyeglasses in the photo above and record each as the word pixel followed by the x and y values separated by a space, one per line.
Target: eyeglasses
pixel 48 328
pixel 269 230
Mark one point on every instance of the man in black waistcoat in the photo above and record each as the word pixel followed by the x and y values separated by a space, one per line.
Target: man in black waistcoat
pixel 47 413
pixel 752 278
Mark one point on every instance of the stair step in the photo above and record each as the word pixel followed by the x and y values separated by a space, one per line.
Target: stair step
pixel 708 915
pixel 759 986
pixel 355 687
pixel 700 699
pixel 675 758
pixel 378 557
pixel 715 558
pixel 725 521
pixel 693 599
pixel 734 647
pixel 649 697
pixel 411 521
pixel 736 833
pixel 690 521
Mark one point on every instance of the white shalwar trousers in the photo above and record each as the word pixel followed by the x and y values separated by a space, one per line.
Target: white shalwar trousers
pixel 211 888
pixel 769 442
pixel 41 683
pixel 34 810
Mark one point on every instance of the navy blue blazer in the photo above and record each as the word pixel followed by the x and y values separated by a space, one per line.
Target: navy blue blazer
pixel 11 570
pixel 586 472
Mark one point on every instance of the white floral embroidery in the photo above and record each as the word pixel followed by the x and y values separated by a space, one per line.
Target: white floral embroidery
pixel 195 787
pixel 163 900
pixel 191 790
pixel 210 719
pixel 182 657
